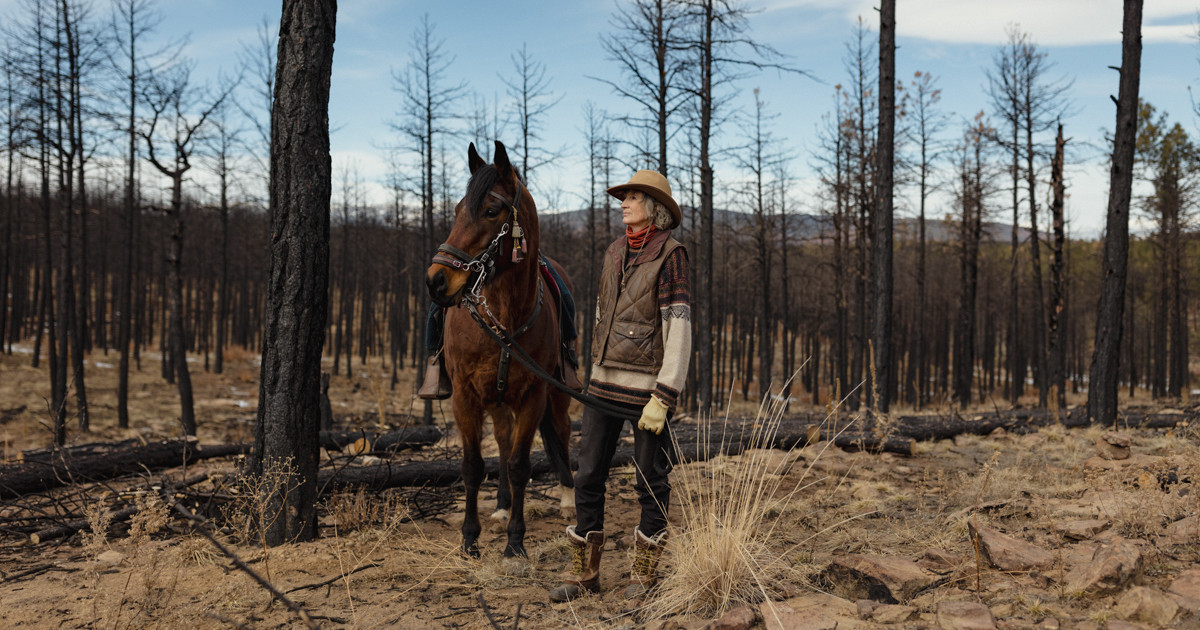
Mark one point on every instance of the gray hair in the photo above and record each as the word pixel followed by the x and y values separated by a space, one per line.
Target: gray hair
pixel 659 215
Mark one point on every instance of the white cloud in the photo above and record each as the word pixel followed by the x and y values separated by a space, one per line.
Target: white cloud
pixel 1050 22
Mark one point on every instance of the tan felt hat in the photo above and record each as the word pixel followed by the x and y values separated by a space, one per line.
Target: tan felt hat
pixel 654 184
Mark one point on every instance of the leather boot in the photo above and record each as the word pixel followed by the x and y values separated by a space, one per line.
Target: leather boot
pixel 644 575
pixel 583 574
pixel 436 385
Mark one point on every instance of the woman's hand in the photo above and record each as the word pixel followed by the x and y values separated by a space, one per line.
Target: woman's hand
pixel 654 416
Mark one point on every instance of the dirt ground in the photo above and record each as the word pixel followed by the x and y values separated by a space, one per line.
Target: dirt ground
pixel 391 560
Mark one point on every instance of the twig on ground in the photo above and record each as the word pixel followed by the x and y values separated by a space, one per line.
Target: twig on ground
pixel 332 579
pixel 198 524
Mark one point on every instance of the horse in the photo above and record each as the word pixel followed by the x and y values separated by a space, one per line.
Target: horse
pixel 490 264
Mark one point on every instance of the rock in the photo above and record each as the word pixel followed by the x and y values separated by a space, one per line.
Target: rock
pixel 1134 460
pixel 1117 624
pixel 1114 565
pixel 813 611
pixel 782 617
pixel 881 578
pixel 1184 531
pixel 1049 624
pixel 1113 446
pixel 1081 530
pixel 893 613
pixel 1186 589
pixel 111 558
pixel 964 616
pixel 740 618
pixel 866 607
pixel 1145 604
pixel 939 561
pixel 1007 553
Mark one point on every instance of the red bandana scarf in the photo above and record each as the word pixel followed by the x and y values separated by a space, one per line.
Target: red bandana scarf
pixel 638 239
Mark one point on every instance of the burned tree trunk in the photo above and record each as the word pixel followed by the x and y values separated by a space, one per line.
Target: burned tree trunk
pixel 1106 357
pixel 1056 356
pixel 289 413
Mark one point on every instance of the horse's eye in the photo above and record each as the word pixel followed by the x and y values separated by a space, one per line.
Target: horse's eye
pixel 491 213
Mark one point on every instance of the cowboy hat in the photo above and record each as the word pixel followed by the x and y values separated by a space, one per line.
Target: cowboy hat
pixel 654 184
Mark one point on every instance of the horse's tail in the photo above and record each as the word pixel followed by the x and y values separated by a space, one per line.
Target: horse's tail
pixel 556 450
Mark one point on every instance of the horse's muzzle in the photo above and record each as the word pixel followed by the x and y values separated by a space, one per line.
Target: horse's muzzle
pixel 439 288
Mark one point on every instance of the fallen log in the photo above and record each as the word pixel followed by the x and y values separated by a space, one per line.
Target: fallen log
pixel 407 438
pixel 690 449
pixel 65 469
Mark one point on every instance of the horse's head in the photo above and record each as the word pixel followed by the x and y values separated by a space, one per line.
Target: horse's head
pixel 495 228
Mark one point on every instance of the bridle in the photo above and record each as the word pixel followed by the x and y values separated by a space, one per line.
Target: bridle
pixel 482 267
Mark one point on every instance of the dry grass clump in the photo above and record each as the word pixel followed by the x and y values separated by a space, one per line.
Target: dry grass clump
pixel 99 518
pixel 725 550
pixel 151 517
pixel 249 515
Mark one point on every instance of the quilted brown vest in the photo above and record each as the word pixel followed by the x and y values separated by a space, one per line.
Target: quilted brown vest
pixel 628 332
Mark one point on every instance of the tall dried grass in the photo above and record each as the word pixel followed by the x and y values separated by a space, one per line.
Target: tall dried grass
pixel 728 548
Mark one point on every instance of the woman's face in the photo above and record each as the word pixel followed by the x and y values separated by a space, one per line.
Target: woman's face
pixel 633 210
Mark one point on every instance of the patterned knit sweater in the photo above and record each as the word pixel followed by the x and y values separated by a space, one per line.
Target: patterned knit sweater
pixel 674 305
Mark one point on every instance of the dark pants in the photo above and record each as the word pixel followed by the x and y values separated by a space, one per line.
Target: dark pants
pixel 653 456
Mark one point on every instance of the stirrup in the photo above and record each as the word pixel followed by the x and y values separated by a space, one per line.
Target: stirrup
pixel 436 385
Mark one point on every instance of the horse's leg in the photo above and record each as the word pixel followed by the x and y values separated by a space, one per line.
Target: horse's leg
pixel 502 422
pixel 560 425
pixel 519 469
pixel 470 426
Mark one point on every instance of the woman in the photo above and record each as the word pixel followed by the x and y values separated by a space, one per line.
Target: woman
pixel 642 342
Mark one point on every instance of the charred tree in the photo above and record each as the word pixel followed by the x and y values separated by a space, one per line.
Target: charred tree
pixel 289 416
pixel 881 244
pixel 1106 358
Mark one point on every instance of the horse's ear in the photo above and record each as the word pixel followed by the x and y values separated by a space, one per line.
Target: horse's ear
pixel 473 159
pixel 501 160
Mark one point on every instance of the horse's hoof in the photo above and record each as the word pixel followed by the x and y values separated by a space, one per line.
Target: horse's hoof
pixel 566 502
pixel 515 552
pixel 501 515
pixel 516 566
pixel 471 550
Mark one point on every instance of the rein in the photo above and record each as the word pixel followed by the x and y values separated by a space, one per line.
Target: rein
pixel 508 344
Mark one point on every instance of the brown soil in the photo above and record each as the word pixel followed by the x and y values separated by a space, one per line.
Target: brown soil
pixel 373 568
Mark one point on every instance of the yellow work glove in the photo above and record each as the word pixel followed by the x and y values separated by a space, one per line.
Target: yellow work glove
pixel 654 416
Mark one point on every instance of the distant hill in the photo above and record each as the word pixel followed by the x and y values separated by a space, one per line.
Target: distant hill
pixel 809 226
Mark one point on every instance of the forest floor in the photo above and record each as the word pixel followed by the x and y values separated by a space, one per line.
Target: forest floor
pixel 390 559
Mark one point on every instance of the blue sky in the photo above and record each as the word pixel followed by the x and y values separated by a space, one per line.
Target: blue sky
pixel 955 41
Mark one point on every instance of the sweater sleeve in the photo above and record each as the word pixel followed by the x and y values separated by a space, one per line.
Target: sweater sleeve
pixel 674 304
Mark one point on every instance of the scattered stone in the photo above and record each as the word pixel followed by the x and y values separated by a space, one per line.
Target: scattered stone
pixel 1081 530
pixel 1184 531
pixel 1007 553
pixel 964 616
pixel 1135 459
pixel 1049 624
pixel 111 558
pixel 1113 446
pixel 881 578
pixel 866 607
pixel 939 561
pixel 783 617
pixel 1117 624
pixel 893 613
pixel 740 618
pixel 1114 566
pixel 1149 605
pixel 1186 588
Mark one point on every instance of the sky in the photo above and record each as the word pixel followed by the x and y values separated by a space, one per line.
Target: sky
pixel 955 41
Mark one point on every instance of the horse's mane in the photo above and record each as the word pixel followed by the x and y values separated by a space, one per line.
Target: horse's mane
pixel 481 182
